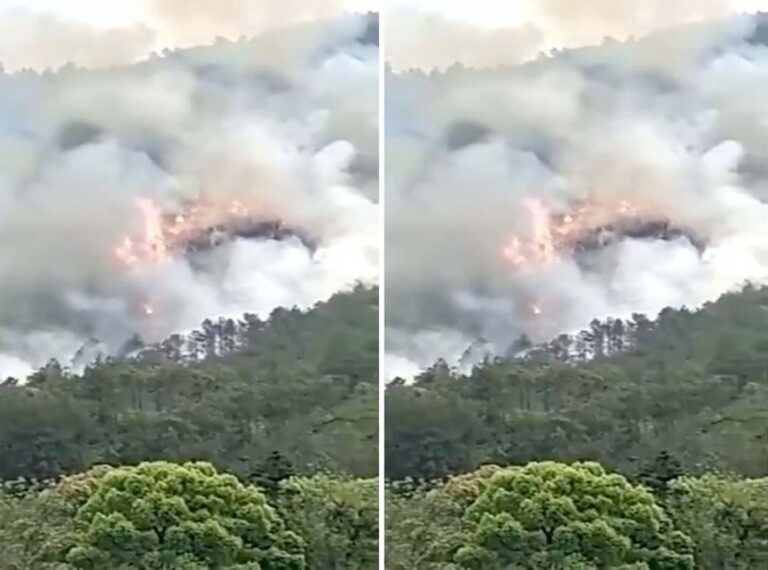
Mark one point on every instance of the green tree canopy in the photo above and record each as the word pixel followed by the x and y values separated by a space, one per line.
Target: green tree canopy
pixel 162 515
pixel 726 517
pixel 35 527
pixel 424 522
pixel 337 518
pixel 556 516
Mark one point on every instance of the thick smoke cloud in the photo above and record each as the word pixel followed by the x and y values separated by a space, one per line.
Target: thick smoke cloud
pixel 648 135
pixel 282 126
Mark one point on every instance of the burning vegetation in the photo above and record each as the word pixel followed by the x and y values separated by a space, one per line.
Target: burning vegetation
pixel 587 227
pixel 199 227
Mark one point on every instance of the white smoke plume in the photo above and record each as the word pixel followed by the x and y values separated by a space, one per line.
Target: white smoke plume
pixel 207 182
pixel 604 181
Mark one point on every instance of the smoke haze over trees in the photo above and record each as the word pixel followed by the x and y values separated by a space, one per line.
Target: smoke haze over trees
pixel 106 173
pixel 603 181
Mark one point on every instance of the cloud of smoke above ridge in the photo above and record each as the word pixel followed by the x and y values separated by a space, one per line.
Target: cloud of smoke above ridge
pixel 284 127
pixel 647 158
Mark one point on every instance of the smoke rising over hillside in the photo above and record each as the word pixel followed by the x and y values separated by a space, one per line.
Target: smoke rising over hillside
pixel 211 181
pixel 604 181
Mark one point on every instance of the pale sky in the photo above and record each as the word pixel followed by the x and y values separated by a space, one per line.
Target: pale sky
pixel 104 14
pixel 501 14
pixel 118 13
pixel 41 34
pixel 431 34
pixel 485 13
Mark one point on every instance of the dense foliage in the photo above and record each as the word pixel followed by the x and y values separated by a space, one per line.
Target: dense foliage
pixel 548 515
pixel 302 385
pixel 689 386
pixel 678 406
pixel 559 516
pixel 283 412
pixel 164 515
pixel 338 519
pixel 726 516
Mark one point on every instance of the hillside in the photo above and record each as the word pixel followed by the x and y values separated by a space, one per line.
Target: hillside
pixel 689 386
pixel 299 386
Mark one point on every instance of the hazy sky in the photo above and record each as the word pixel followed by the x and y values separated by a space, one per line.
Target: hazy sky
pixel 491 13
pixel 51 33
pixel 116 13
pixel 479 12
pixel 438 33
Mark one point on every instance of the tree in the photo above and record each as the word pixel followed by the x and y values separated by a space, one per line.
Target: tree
pixel 424 519
pixel 42 434
pixel 727 518
pixel 163 515
pixel 35 527
pixel 271 472
pixel 336 517
pixel 557 516
pixel 429 433
pixel 658 474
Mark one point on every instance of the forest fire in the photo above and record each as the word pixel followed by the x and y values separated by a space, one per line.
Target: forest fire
pixel 153 245
pixel 198 227
pixel 587 226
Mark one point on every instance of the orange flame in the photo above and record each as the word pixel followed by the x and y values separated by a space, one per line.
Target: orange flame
pixel 162 232
pixel 154 244
pixel 541 247
pixel 549 233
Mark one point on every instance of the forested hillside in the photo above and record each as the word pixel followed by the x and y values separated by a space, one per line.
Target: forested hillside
pixel 676 406
pixel 691 384
pixel 284 409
